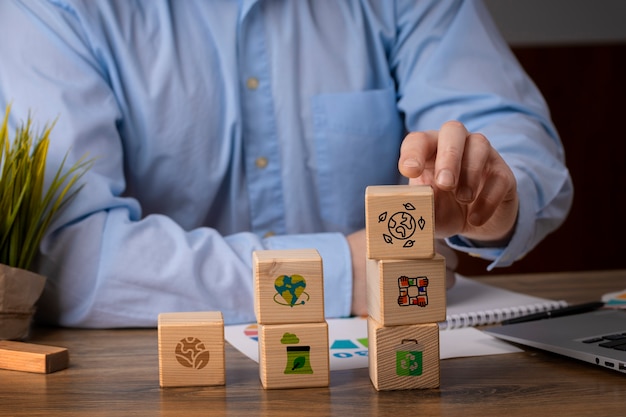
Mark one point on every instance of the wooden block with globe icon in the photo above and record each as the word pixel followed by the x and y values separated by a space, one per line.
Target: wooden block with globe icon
pixel 294 355
pixel 191 349
pixel 399 221
pixel 289 286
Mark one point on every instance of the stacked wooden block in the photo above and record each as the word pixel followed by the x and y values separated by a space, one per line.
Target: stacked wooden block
pixel 289 307
pixel 405 287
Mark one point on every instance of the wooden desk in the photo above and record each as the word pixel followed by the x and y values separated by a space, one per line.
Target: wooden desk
pixel 115 372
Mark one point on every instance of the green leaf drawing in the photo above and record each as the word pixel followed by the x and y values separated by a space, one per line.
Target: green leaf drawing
pixel 298 363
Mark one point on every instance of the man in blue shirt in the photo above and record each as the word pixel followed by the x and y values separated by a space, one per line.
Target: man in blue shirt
pixel 225 127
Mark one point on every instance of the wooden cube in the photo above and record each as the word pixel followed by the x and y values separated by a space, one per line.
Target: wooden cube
pixel 400 222
pixel 30 357
pixel 406 291
pixel 403 357
pixel 191 349
pixel 294 355
pixel 289 286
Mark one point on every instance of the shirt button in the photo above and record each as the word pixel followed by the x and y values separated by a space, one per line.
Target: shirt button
pixel 261 162
pixel 252 83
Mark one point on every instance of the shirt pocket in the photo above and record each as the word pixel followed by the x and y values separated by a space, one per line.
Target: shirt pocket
pixel 357 143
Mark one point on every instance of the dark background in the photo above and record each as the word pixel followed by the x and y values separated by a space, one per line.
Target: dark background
pixel 585 87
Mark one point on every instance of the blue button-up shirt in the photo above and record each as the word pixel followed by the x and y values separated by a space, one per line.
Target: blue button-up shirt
pixel 224 127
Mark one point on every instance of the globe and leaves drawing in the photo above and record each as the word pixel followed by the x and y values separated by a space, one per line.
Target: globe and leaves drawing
pixel 401 225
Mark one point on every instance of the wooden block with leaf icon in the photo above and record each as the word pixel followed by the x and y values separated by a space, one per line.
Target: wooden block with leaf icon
pixel 294 355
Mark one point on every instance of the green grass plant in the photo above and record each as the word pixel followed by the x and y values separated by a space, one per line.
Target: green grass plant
pixel 26 207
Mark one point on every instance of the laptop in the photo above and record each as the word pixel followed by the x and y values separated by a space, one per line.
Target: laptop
pixel 597 337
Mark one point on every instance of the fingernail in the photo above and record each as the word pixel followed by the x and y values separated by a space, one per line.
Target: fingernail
pixel 411 163
pixel 445 178
pixel 465 194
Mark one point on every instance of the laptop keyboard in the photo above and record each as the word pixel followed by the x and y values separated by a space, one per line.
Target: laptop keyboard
pixel 615 341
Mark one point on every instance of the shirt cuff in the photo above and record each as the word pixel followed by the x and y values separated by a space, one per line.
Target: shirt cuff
pixel 336 262
pixel 520 242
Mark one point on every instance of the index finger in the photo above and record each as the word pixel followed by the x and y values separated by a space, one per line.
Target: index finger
pixel 450 149
pixel 416 150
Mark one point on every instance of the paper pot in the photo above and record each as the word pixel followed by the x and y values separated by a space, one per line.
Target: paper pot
pixel 19 291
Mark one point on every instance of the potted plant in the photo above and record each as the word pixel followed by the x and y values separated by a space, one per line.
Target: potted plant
pixel 27 208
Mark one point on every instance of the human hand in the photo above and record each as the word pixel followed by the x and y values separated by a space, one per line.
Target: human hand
pixel 475 190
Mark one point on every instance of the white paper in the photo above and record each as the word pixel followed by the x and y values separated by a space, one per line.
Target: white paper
pixel 348 342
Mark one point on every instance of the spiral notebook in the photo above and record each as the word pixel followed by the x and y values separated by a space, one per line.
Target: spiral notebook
pixel 471 303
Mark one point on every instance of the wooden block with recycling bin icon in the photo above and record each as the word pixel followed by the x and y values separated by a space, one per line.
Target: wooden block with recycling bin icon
pixel 399 221
pixel 191 349
pixel 288 286
pixel 406 291
pixel 294 355
pixel 403 357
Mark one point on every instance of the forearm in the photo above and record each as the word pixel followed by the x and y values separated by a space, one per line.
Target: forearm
pixel 108 271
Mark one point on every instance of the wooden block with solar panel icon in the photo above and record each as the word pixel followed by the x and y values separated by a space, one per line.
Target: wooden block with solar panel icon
pixel 406 294
pixel 292 330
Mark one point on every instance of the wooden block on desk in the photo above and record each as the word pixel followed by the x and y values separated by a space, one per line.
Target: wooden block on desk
pixel 403 357
pixel 406 291
pixel 289 286
pixel 29 357
pixel 294 355
pixel 191 349
pixel 399 222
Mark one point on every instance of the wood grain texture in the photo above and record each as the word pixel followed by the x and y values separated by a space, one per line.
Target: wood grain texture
pixel 403 357
pixel 294 355
pixel 30 357
pixel 191 349
pixel 276 268
pixel 391 284
pixel 399 221
pixel 115 372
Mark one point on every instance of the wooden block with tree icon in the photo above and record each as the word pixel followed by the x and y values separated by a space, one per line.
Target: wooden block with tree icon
pixel 294 355
pixel 191 349
pixel 406 291
pixel 399 222
pixel 289 286
pixel 403 357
